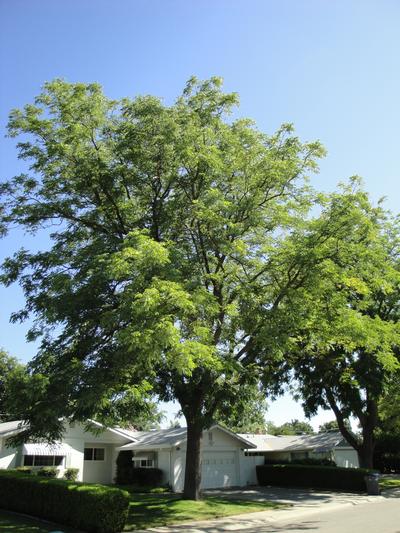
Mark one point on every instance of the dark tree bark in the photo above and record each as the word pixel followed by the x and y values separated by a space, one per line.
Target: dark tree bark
pixel 191 489
pixel 366 452
pixel 368 421
pixel 369 424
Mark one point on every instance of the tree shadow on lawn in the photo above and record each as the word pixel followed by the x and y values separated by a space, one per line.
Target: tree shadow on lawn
pixel 15 523
pixel 153 510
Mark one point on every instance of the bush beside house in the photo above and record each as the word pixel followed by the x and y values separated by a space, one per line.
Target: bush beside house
pixel 92 508
pixel 124 467
pixel 127 474
pixel 311 476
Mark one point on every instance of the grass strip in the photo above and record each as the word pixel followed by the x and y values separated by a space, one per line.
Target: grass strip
pixel 155 510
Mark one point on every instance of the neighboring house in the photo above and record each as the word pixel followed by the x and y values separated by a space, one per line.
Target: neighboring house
pixel 93 453
pixel 329 445
pixel 228 459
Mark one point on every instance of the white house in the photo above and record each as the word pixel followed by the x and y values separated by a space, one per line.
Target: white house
pixel 223 461
pixel 228 459
pixel 329 445
pixel 93 453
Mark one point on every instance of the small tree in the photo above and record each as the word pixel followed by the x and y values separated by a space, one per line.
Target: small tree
pixel 124 474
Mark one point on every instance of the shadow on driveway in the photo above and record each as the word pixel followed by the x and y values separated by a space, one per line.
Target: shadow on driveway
pixel 306 497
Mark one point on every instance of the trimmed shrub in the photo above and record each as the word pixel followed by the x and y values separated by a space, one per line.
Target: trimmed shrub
pixel 388 463
pixel 71 474
pixel 306 461
pixel 124 468
pixel 147 476
pixel 48 471
pixel 322 477
pixel 314 462
pixel 24 469
pixel 92 508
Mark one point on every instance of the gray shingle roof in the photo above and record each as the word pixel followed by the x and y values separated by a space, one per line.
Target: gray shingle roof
pixel 320 442
pixel 168 438
pixel 9 428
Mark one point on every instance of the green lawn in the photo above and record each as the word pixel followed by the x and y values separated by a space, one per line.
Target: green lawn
pixel 388 483
pixel 149 510
pixel 152 510
pixel 13 523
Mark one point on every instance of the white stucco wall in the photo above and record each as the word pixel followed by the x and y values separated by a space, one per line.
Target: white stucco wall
pixel 164 463
pixel 217 443
pixel 248 468
pixel 178 470
pixel 347 458
pixel 8 456
pixel 78 439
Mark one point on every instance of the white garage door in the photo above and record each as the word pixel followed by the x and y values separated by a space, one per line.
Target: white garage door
pixel 218 469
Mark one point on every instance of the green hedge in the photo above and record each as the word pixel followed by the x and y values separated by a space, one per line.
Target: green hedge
pixel 92 508
pixel 148 477
pixel 323 477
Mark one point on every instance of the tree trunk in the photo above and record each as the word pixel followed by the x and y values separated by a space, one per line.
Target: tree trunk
pixel 191 489
pixel 366 451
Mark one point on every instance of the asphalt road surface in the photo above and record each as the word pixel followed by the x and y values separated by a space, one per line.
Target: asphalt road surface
pixel 381 517
pixel 312 512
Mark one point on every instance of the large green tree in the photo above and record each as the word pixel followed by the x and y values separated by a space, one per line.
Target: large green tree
pixel 346 351
pixel 168 263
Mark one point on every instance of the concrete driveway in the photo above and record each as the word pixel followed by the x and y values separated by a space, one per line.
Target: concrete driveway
pixel 306 498
pixel 318 511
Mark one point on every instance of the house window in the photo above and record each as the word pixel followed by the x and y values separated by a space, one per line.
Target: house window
pixel 94 454
pixel 295 456
pixel 43 460
pixel 142 463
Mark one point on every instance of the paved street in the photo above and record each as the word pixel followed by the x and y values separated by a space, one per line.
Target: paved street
pixel 311 511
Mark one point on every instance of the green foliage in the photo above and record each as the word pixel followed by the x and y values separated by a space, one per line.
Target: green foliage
pixel 71 474
pixel 24 469
pixel 294 427
pixel 247 414
pixel 48 471
pixel 332 425
pixel 387 451
pixel 346 347
pixel 322 477
pixel 9 368
pixel 306 461
pixel 150 477
pixel 124 467
pixel 93 508
pixel 170 259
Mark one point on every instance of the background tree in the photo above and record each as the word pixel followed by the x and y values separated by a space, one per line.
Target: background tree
pixel 333 425
pixel 387 450
pixel 247 413
pixel 294 427
pixel 9 367
pixel 345 356
pixel 168 265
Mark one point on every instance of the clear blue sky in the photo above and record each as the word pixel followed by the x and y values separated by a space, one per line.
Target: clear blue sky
pixel 330 66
